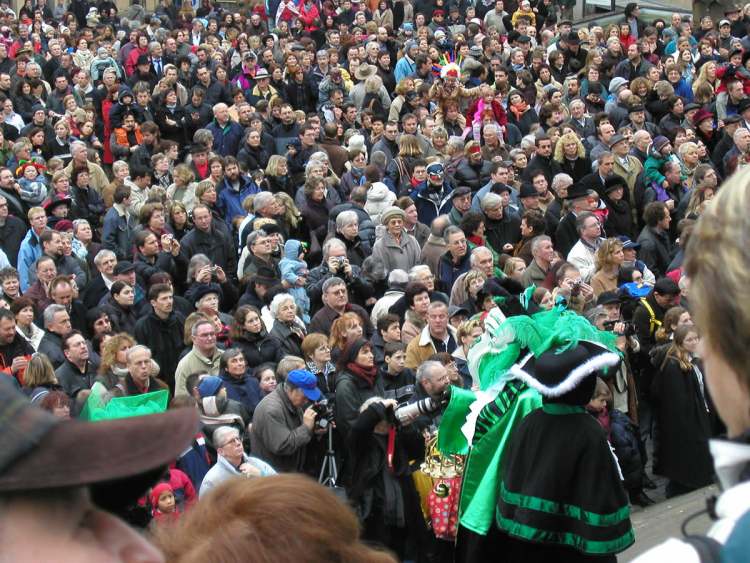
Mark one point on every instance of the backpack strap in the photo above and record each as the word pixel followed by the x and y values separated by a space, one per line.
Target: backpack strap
pixel 653 322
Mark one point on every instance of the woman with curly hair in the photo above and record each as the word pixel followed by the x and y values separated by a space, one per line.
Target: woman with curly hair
pixel 607 260
pixel 570 154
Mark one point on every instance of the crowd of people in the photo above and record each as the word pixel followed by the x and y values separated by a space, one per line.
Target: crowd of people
pixel 295 217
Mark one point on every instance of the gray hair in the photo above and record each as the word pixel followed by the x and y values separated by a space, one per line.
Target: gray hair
pixel 738 132
pixel 418 269
pixel 139 348
pixel 222 434
pixel 197 261
pixel 77 146
pixel 311 164
pixel 153 45
pixel 332 282
pixel 199 323
pixel 204 137
pixel 320 157
pixel 537 241
pixel 102 255
pixel 560 180
pixel 474 258
pixel 329 244
pixel 397 277
pixel 118 164
pixel 490 200
pixel 278 300
pixel 426 369
pixel 253 237
pixel 491 128
pixel 50 312
pixel 261 200
pixel 346 218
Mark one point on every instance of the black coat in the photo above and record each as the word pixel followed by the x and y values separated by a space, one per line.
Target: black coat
pixel 619 219
pixel 94 292
pixel 259 348
pixel 253 158
pixel 175 266
pixel 11 236
pixel 683 426
pixel 549 166
pixel 351 393
pixel 656 250
pixel 577 168
pixel 175 132
pixel 473 175
pixel 566 235
pixel 625 439
pixel 506 230
pixel 215 244
pixel 369 472
pixel 165 339
pixel 289 343
pixel 123 320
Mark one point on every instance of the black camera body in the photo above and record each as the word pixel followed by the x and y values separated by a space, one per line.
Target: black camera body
pixel 401 395
pixel 575 288
pixel 629 329
pixel 323 413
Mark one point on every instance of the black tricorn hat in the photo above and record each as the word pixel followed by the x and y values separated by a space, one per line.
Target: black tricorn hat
pixel 567 375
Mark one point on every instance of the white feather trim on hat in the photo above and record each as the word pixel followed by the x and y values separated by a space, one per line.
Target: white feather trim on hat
pixel 451 69
pixel 607 359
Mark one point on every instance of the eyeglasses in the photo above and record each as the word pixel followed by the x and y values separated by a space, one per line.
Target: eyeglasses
pixel 341 291
pixel 234 440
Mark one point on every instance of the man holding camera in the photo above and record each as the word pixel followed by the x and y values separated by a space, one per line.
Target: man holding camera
pixel 281 429
pixel 607 316
pixel 336 264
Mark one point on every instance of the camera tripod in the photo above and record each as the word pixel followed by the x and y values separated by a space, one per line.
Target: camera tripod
pixel 328 471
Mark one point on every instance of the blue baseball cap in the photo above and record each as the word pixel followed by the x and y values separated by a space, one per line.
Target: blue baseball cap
pixel 306 381
pixel 209 386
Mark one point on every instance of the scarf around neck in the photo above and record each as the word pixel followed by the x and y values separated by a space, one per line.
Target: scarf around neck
pixel 366 374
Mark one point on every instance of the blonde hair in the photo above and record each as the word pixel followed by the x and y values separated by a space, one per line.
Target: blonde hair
pixel 559 155
pixel 718 266
pixel 603 255
pixel 466 327
pixel 510 265
pixel 39 371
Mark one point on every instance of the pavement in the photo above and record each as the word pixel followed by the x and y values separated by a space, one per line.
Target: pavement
pixel 654 524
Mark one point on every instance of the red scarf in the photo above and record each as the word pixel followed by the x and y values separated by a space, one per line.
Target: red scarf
pixel 519 109
pixel 367 374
